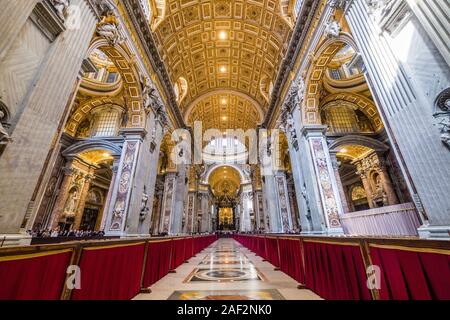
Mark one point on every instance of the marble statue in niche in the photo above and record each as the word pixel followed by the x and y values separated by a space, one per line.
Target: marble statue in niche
pixel 109 29
pixel 332 29
pixel 442 114
pixel 71 203
pixel 104 7
pixel 5 138
pixel 144 201
pixel 61 7
pixel 445 131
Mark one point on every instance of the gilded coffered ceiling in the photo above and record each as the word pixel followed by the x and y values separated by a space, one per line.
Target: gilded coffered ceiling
pixel 225 111
pixel 354 151
pixel 231 45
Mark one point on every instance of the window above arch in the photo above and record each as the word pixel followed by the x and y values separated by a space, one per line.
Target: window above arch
pixel 104 121
pixel 106 70
pixel 156 11
pixel 181 89
pixel 346 64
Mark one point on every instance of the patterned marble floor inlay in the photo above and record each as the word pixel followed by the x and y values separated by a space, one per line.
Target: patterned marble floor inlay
pixel 226 271
pixel 270 294
pixel 225 261
pixel 224 274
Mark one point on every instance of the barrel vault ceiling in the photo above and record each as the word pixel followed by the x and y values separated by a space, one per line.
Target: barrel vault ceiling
pixel 228 51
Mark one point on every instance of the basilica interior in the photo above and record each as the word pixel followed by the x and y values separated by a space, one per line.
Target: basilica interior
pixel 294 147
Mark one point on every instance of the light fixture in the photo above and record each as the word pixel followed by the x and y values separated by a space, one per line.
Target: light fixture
pixel 106 155
pixel 224 101
pixel 223 35
pixel 224 118
pixel 343 150
pixel 223 69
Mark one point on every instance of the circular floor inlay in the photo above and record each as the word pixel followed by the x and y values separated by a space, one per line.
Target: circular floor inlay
pixel 224 275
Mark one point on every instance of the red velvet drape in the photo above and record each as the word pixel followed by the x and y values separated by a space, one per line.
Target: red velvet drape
pixel 412 275
pixel 34 277
pixel 111 273
pixel 262 247
pixel 335 272
pixel 189 249
pixel 291 261
pixel 178 253
pixel 158 262
pixel 272 251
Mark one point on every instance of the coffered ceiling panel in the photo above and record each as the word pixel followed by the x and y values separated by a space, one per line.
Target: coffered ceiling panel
pixel 225 111
pixel 223 44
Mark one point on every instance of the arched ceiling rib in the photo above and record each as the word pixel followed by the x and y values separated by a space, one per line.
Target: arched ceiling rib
pixel 247 39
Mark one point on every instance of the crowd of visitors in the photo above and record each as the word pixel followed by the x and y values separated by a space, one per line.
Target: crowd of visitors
pixel 55 233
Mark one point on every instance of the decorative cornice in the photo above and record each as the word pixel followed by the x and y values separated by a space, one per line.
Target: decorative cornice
pixel 143 31
pixel 47 20
pixel 301 30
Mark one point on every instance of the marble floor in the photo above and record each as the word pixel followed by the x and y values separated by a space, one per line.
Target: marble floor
pixel 227 271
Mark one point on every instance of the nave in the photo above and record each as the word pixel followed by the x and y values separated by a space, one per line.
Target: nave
pixel 227 271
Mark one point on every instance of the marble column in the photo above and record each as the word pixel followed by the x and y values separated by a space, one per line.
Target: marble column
pixel 283 202
pixel 180 197
pixel 168 201
pixel 268 160
pixel 58 209
pixel 246 200
pixel 139 219
pixel 190 212
pixel 386 182
pixel 311 215
pixel 335 164
pixel 204 209
pixel 329 205
pixel 107 206
pixel 82 200
pixel 367 187
pixel 258 201
pixel 405 90
pixel 157 212
pixel 119 210
pixel 293 205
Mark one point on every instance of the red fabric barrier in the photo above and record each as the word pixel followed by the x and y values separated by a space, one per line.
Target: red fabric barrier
pixel 272 251
pixel 262 247
pixel 189 249
pixel 34 276
pixel 412 275
pixel 112 273
pixel 158 261
pixel 178 253
pixel 291 261
pixel 335 272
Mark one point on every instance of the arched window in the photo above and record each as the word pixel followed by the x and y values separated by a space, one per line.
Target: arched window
pixel 104 121
pixel 106 70
pixel 181 89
